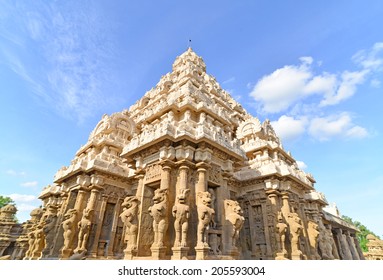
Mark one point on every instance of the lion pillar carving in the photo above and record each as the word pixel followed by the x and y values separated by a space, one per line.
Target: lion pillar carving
pixel 234 218
pixel 181 213
pixel 205 216
pixel 281 231
pixel 69 226
pixel 130 221
pixel 84 230
pixel 295 224
pixel 315 237
pixel 160 221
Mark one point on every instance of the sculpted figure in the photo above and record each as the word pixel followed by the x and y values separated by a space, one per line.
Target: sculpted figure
pixel 31 240
pixel 205 216
pixel 330 240
pixel 158 212
pixel 39 242
pixel 50 219
pixel 295 231
pixel 69 227
pixel 281 230
pixel 234 215
pixel 84 229
pixel 314 238
pixel 181 214
pixel 129 218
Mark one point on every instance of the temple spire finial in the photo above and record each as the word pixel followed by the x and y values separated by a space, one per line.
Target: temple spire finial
pixel 190 44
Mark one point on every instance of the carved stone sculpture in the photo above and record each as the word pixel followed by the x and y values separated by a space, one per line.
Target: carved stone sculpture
pixel 69 226
pixel 159 213
pixel 39 241
pixel 314 237
pixel 295 224
pixel 129 219
pixel 181 214
pixel 281 230
pixel 205 216
pixel 234 215
pixel 84 229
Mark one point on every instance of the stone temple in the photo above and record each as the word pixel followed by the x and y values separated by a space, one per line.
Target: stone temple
pixel 185 173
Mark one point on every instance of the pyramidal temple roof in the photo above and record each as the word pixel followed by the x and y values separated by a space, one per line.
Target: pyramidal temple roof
pixel 187 104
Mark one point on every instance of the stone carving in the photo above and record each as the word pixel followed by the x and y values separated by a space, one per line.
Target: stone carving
pixel 39 241
pixel 295 224
pixel 205 216
pixel 69 226
pixel 313 238
pixel 159 213
pixel 281 231
pixel 129 219
pixel 84 228
pixel 181 214
pixel 234 215
pixel 50 219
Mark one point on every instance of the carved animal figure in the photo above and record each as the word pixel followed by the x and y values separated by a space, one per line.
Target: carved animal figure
pixel 31 240
pixel 314 237
pixel 129 219
pixel 39 242
pixel 234 215
pixel 84 229
pixel 281 230
pixel 205 216
pixel 158 212
pixel 295 224
pixel 69 227
pixel 181 213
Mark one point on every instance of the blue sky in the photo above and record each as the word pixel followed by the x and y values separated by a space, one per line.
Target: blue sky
pixel 314 68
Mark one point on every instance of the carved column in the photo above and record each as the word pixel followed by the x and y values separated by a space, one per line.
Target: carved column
pixel 165 177
pixel 180 211
pixel 113 229
pixel 201 185
pixel 99 218
pixel 350 241
pixel 270 222
pixel 202 250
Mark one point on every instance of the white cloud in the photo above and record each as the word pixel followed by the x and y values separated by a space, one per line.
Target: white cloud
pixel 22 197
pixel 324 128
pixel 29 184
pixel 15 173
pixel 288 128
pixel 301 164
pixel 346 89
pixel 279 90
pixel 369 59
pixel 292 84
pixel 23 207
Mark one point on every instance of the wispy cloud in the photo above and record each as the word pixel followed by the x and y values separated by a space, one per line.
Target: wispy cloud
pixel 325 128
pixel 73 54
pixel 15 173
pixel 29 184
pixel 22 197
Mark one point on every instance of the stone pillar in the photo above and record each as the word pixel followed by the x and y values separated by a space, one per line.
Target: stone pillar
pixel 183 177
pixel 165 177
pixel 99 218
pixel 113 229
pixel 269 234
pixel 351 244
pixel 285 204
pixel 201 186
pixel 357 246
pixel 181 213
